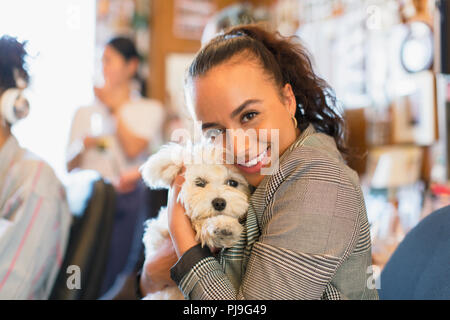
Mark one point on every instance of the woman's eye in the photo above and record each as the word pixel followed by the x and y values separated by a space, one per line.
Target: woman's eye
pixel 199 182
pixel 211 134
pixel 248 116
pixel 232 183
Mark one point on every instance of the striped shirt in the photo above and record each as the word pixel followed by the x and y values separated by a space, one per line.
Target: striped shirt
pixel 34 224
pixel 306 235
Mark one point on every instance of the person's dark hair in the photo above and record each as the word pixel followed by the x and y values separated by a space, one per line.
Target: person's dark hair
pixel 125 47
pixel 12 57
pixel 285 61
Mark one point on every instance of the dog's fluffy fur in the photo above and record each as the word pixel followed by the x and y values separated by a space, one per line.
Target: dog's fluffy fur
pixel 207 182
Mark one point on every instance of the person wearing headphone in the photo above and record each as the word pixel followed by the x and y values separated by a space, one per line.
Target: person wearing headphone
pixel 34 214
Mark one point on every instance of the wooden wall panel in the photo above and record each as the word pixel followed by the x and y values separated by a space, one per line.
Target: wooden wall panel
pixel 163 42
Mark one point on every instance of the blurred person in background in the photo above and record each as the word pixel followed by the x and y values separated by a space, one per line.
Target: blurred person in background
pixel 120 130
pixel 114 137
pixel 34 215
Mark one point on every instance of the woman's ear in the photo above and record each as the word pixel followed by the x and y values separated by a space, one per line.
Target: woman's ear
pixel 289 99
pixel 132 67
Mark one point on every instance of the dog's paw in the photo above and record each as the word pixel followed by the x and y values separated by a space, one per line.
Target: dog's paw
pixel 220 231
pixel 223 232
pixel 226 238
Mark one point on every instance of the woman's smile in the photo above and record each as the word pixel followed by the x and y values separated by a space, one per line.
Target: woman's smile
pixel 254 165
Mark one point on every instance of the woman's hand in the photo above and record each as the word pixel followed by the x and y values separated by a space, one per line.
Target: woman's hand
pixel 113 98
pixel 156 271
pixel 90 142
pixel 180 228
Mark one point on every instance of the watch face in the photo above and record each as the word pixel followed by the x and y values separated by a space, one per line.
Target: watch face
pixel 417 48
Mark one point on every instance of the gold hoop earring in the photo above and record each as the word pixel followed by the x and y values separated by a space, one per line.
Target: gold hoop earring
pixel 295 122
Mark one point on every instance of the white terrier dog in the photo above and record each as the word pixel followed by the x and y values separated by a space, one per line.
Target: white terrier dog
pixel 215 197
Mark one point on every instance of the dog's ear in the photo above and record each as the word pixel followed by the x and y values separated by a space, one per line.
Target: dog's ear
pixel 161 168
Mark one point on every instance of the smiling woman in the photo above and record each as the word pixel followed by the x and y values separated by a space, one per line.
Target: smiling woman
pixel 269 84
pixel 306 234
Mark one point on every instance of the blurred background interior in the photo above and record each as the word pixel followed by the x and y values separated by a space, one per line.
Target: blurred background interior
pixel 388 61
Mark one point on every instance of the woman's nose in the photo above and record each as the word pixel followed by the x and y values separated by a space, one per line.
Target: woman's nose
pixel 239 141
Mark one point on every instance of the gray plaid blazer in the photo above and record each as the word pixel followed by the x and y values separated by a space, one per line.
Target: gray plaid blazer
pixel 306 235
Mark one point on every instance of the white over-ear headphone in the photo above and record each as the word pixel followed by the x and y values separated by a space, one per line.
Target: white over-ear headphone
pixel 14 106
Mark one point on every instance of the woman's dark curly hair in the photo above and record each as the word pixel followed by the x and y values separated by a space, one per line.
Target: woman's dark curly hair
pixel 12 57
pixel 285 60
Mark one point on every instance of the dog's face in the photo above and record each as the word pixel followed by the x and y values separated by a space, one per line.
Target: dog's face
pixel 211 190
pixel 215 196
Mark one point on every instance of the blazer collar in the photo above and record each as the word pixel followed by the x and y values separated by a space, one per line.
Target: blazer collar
pixel 267 187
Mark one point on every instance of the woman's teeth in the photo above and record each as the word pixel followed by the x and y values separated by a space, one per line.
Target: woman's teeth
pixel 256 160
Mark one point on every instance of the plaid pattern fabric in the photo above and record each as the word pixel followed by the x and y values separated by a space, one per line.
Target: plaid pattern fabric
pixel 35 224
pixel 331 293
pixel 306 235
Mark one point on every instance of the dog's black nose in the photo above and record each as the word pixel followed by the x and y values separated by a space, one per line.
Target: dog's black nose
pixel 219 204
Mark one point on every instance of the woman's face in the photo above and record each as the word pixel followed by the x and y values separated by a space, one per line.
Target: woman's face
pixel 236 95
pixel 116 70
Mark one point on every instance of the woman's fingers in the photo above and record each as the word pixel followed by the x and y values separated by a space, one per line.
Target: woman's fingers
pixel 173 205
pixel 179 179
pixel 90 142
pixel 181 232
pixel 176 211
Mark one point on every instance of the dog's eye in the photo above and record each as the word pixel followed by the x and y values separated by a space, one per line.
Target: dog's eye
pixel 199 182
pixel 232 183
